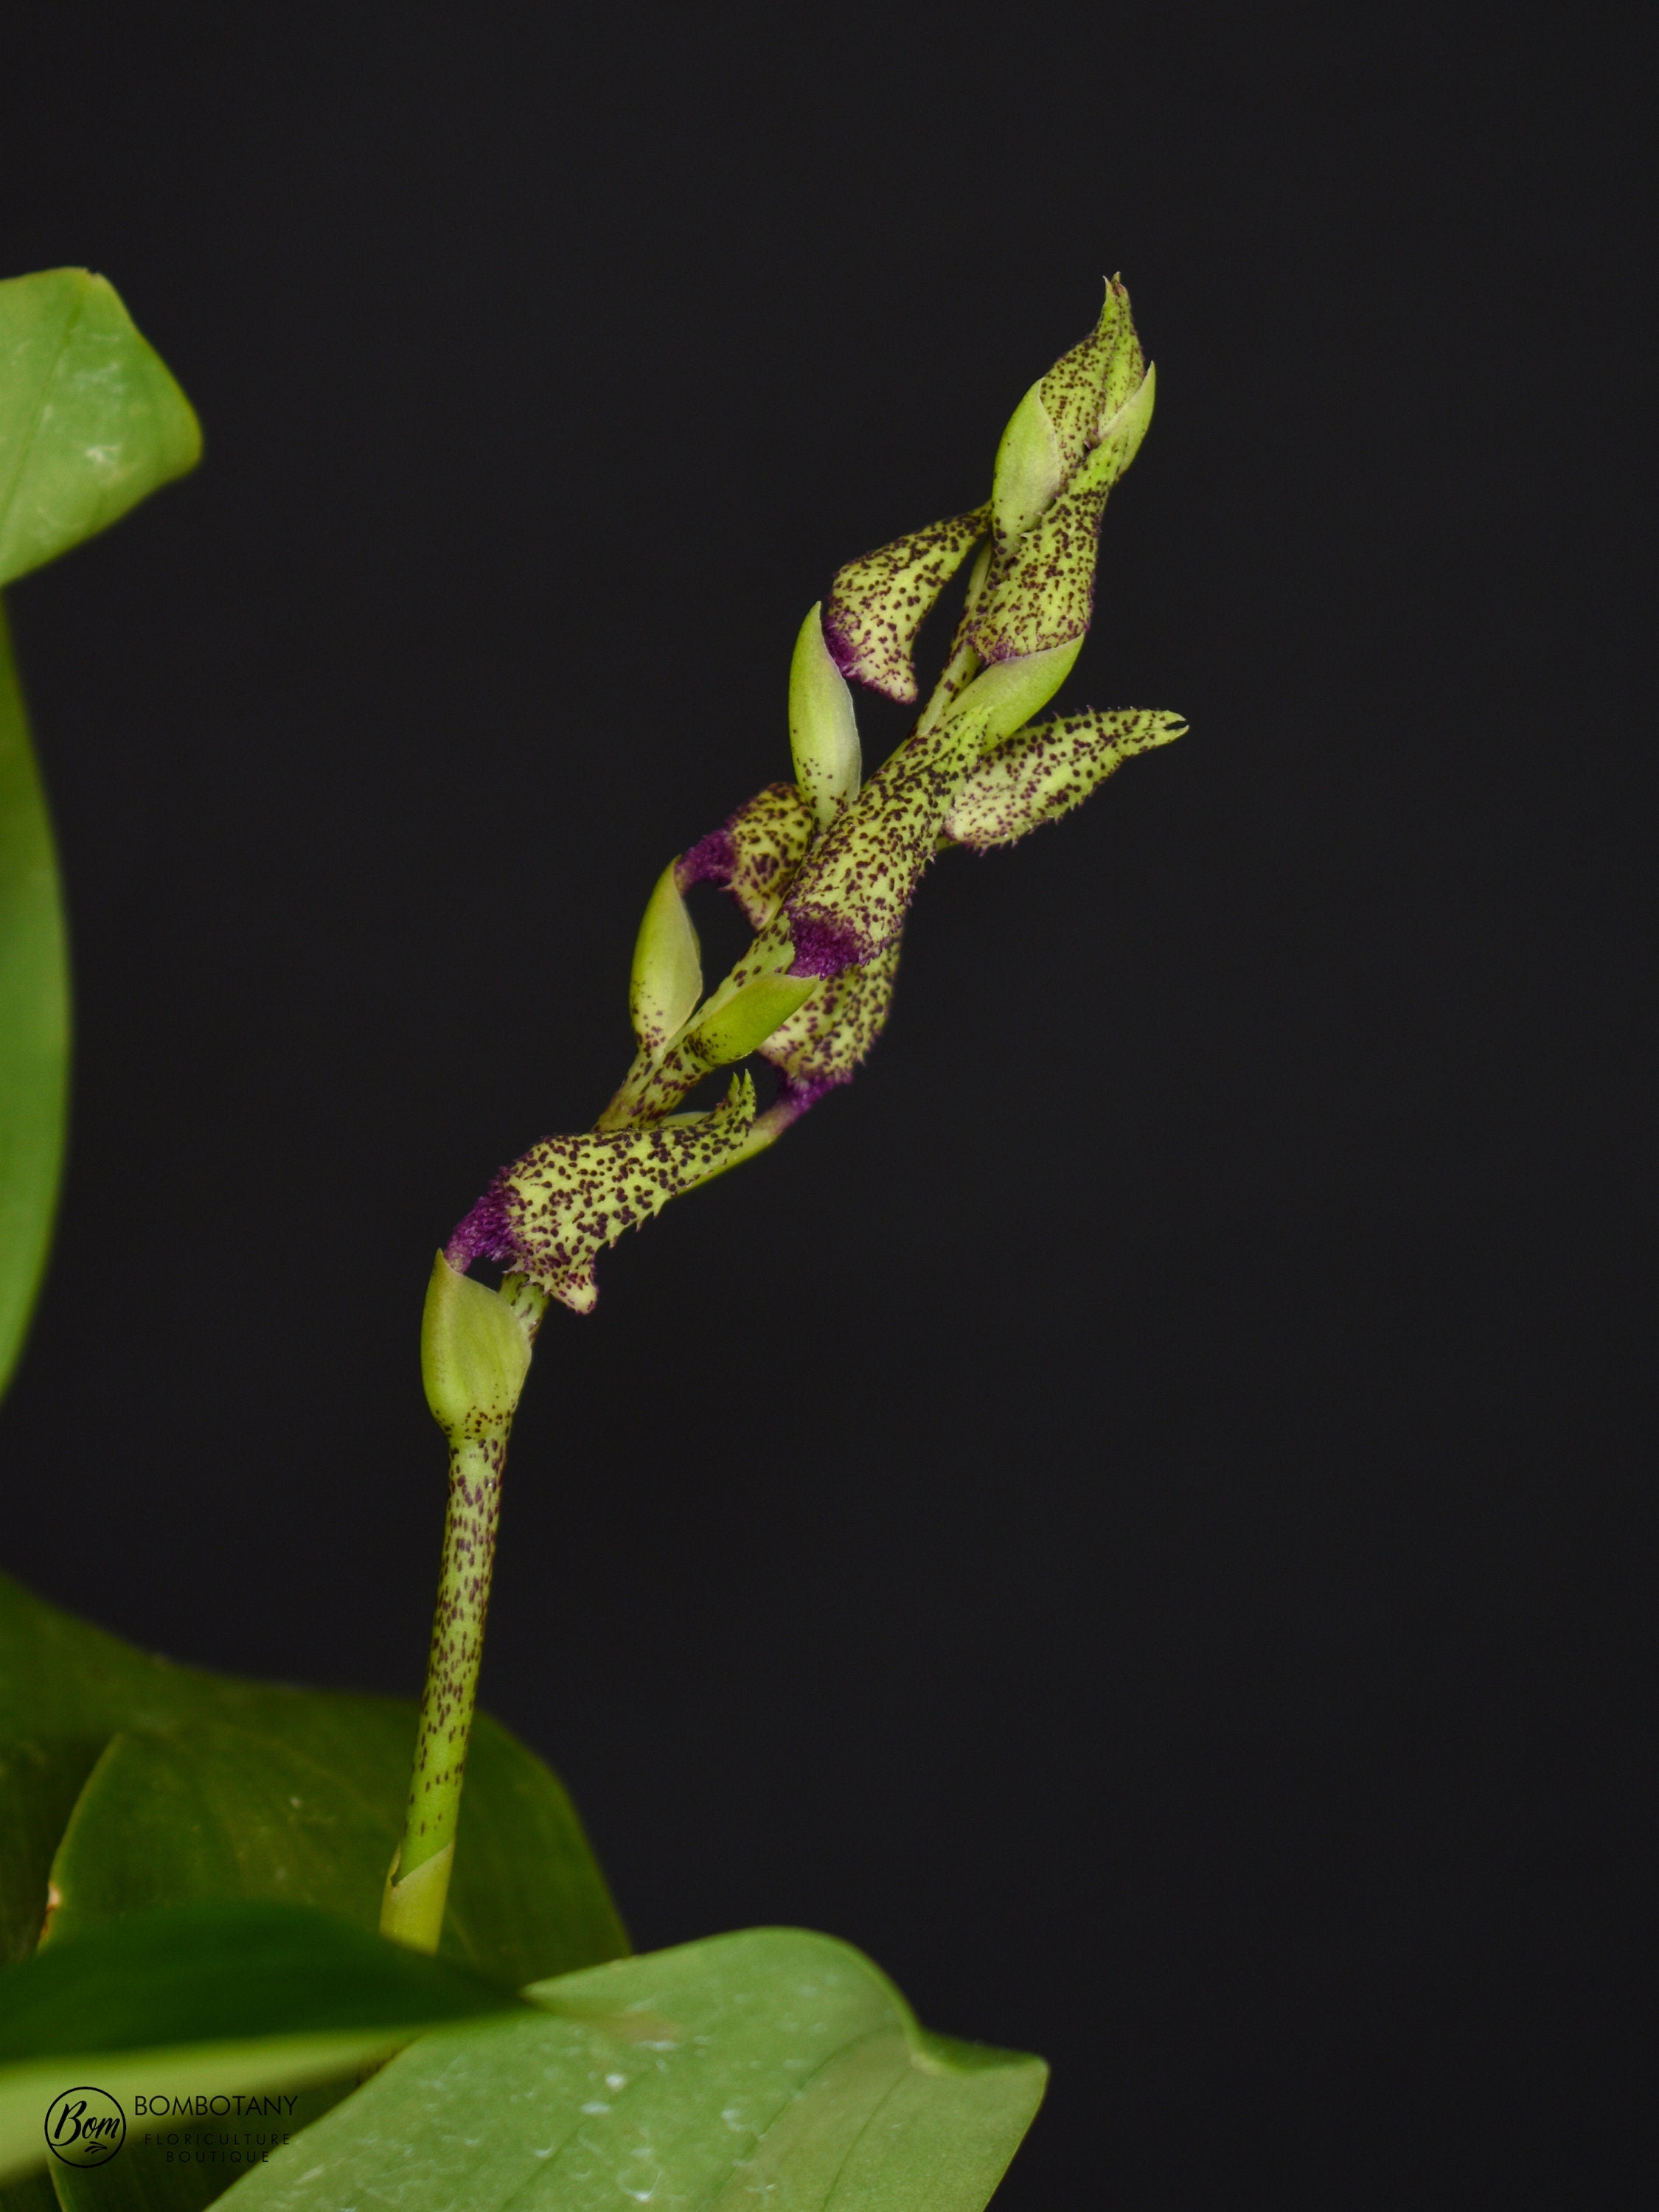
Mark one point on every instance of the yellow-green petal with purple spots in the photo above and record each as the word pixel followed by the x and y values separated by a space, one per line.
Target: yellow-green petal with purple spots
pixel 1042 771
pixel 880 602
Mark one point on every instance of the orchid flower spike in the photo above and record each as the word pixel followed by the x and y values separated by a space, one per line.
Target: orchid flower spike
pixel 824 869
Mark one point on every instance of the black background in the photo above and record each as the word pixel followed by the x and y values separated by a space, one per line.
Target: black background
pixel 1130 1514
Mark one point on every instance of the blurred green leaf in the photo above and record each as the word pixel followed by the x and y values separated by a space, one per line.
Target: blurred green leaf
pixel 769 2067
pixel 196 1800
pixel 34 1022
pixel 90 420
pixel 211 1999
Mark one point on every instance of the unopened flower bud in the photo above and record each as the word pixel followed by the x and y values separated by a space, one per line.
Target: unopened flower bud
pixel 823 731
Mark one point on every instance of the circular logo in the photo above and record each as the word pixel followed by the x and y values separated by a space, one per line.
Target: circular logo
pixel 85 2127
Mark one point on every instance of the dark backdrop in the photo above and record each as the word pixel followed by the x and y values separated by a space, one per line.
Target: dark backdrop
pixel 1128 1513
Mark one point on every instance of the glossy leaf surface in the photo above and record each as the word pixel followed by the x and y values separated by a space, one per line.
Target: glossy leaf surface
pixel 90 421
pixel 35 1021
pixel 772 2066
pixel 207 1772
pixel 212 1998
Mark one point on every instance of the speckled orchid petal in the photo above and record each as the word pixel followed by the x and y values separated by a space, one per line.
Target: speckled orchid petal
pixel 825 1041
pixel 1042 595
pixel 1041 773
pixel 549 1215
pixel 756 853
pixel 878 603
pixel 848 902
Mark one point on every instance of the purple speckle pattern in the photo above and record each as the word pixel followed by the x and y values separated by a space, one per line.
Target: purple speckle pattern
pixel 842 647
pixel 822 947
pixel 877 603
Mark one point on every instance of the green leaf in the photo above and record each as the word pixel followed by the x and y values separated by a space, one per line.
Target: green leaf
pixel 772 2066
pixel 90 420
pixel 216 1998
pixel 35 1021
pixel 197 1801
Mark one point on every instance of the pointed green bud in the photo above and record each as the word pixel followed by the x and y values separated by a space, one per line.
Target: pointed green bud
pixel 823 731
pixel 551 1214
pixel 474 1355
pixel 90 420
pixel 1039 773
pixel 1029 469
pixel 749 1018
pixel 878 603
pixel 666 982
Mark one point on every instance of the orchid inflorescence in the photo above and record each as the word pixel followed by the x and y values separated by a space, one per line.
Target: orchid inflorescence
pixel 823 869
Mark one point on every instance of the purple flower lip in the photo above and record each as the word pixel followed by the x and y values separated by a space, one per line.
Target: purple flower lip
pixel 485 1234
pixel 823 947
pixel 710 860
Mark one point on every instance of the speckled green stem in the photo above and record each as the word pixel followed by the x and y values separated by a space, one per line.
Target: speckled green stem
pixel 477 1412
pixel 452 1667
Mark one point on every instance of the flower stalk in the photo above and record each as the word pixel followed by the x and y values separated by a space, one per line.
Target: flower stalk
pixel 825 870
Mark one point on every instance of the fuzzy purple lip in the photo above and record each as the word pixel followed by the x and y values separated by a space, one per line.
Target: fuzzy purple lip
pixel 710 860
pixel 823 948
pixel 485 1234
